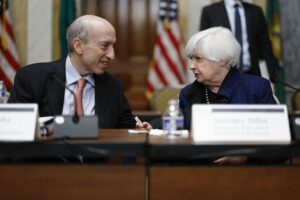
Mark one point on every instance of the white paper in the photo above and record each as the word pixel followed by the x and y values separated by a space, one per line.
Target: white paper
pixel 137 131
pixel 177 133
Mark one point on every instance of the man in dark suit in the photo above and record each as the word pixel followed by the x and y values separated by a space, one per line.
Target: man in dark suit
pixel 90 44
pixel 256 41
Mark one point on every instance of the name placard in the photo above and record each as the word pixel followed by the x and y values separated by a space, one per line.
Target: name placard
pixel 18 122
pixel 240 124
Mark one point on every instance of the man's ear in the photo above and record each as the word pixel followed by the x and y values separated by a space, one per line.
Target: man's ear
pixel 78 45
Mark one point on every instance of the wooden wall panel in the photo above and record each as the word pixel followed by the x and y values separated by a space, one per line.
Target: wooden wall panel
pixel 138 20
pixel 225 182
pixel 53 181
pixel 122 28
pixel 135 23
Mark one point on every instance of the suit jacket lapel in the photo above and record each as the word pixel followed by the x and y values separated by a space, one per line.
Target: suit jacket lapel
pixel 248 20
pixel 101 98
pixel 223 15
pixel 55 91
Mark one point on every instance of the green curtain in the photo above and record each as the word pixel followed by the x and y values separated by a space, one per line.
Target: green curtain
pixel 67 16
pixel 273 18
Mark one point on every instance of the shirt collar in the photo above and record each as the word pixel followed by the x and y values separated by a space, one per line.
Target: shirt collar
pixel 73 76
pixel 231 3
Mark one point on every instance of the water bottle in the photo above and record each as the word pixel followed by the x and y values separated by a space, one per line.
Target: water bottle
pixel 3 93
pixel 172 120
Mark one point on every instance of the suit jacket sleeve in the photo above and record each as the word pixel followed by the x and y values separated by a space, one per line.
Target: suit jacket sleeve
pixel 205 21
pixel 126 119
pixel 21 93
pixel 111 105
pixel 265 93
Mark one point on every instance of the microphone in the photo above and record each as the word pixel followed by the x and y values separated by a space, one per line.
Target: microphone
pixel 69 127
pixel 284 83
pixel 75 117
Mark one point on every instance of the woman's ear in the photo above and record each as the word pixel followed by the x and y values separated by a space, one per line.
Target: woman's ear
pixel 224 63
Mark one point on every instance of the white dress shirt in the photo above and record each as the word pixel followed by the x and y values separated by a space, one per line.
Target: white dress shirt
pixel 88 96
pixel 229 4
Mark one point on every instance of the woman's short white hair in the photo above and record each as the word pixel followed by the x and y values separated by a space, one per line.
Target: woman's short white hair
pixel 216 44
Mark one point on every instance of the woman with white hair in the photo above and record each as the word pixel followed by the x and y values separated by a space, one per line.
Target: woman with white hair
pixel 215 55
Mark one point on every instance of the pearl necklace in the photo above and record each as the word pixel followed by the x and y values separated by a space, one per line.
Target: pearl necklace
pixel 206 95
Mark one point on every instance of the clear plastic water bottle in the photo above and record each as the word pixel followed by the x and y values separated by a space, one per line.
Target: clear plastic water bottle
pixel 3 92
pixel 172 120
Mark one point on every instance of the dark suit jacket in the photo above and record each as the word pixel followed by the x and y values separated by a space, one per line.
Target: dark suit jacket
pixel 34 84
pixel 236 88
pixel 257 31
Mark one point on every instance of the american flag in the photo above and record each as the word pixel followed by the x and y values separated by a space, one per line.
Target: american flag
pixel 167 67
pixel 9 61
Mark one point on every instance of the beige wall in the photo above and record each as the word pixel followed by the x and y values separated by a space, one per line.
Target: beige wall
pixel 19 20
pixel 261 3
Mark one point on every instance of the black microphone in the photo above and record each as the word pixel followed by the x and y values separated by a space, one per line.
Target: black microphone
pixel 284 83
pixel 75 117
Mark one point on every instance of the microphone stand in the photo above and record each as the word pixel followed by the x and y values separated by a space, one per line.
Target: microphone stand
pixel 285 84
pixel 75 117
pixel 71 126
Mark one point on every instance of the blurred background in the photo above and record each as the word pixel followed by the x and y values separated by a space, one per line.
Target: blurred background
pixel 39 31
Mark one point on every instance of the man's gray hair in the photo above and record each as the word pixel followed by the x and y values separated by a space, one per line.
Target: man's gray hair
pixel 78 29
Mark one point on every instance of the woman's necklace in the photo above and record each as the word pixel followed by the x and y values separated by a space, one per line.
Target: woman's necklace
pixel 206 95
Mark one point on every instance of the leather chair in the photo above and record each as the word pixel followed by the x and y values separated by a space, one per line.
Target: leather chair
pixel 296 101
pixel 161 97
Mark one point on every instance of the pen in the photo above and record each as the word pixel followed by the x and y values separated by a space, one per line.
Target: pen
pixel 138 121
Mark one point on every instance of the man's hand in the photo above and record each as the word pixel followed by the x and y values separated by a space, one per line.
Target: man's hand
pixel 143 125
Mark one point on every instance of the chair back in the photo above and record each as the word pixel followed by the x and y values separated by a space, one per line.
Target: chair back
pixel 296 100
pixel 161 97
